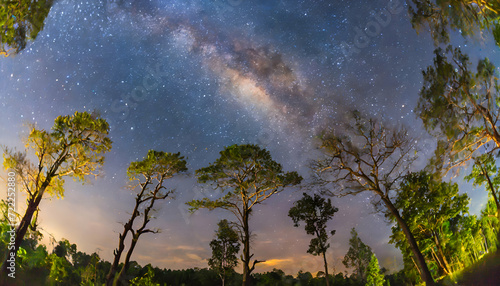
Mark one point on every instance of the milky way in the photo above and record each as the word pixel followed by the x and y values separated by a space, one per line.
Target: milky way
pixel 195 76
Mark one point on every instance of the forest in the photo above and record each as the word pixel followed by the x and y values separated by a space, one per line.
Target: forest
pixel 440 241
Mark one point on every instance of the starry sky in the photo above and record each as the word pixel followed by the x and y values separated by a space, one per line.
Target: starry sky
pixel 195 76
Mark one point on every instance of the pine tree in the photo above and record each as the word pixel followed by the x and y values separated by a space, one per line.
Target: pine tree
pixel 373 275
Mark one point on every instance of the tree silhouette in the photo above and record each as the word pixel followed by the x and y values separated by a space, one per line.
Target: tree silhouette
pixel 247 176
pixel 225 247
pixel 358 256
pixel 315 212
pixel 148 177
pixel 369 157
pixel 74 149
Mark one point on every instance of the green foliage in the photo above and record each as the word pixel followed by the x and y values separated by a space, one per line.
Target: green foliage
pixel 65 249
pixel 315 212
pixel 433 211
pixel 246 169
pixel 74 148
pixel 146 280
pixel 469 17
pixel 246 175
pixel 224 247
pixel 157 163
pixel 484 163
pixel 60 270
pixel 358 256
pixel 490 225
pixel 485 172
pixel 21 21
pixel 459 107
pixel 148 177
pixel 373 275
pixel 496 33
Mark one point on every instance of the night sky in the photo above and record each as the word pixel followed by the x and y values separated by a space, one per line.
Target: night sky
pixel 195 76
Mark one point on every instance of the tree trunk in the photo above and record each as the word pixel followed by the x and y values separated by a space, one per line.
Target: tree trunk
pixel 424 270
pixel 246 249
pixel 30 210
pixel 442 257
pixel 118 253
pixel 495 198
pixel 326 269
pixel 492 189
pixel 22 229
pixel 118 280
pixel 121 244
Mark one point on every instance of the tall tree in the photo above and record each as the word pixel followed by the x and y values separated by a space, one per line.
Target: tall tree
pixel 373 275
pixel 427 205
pixel 247 176
pixel 315 212
pixel 358 256
pixel 148 177
pixel 485 171
pixel 489 225
pixel 225 247
pixel 469 17
pixel 74 148
pixel 21 21
pixel 369 157
pixel 460 107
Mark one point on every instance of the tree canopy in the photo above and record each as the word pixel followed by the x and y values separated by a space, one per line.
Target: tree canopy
pixel 373 275
pixel 21 21
pixel 367 156
pixel 246 175
pixel 358 256
pixel 460 107
pixel 147 178
pixel 74 148
pixel 428 206
pixel 468 17
pixel 224 247
pixel 315 212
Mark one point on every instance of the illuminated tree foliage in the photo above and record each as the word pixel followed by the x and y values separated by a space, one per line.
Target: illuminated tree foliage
pixel 460 107
pixel 146 280
pixel 485 171
pixel 225 247
pixel 373 275
pixel 21 21
pixel 148 177
pixel 358 256
pixel 368 157
pixel 428 206
pixel 490 225
pixel 469 17
pixel 247 176
pixel 74 148
pixel 315 212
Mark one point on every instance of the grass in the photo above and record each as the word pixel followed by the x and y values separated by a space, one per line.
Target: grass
pixel 485 272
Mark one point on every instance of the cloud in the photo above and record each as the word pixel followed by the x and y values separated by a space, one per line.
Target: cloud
pixel 277 262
